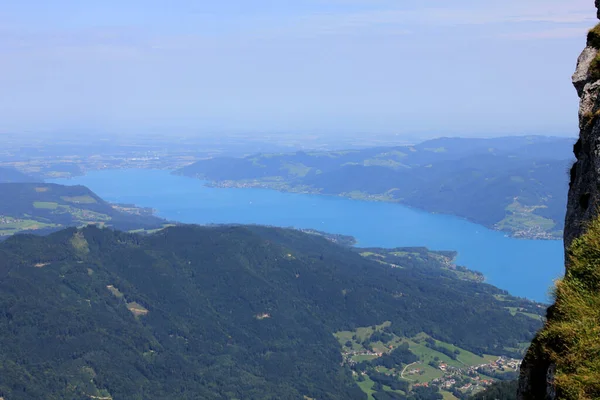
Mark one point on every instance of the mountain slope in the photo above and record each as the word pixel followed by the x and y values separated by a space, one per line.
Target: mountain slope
pixel 512 184
pixel 43 207
pixel 228 312
pixel 11 175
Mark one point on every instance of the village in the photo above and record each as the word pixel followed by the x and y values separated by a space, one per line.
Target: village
pixel 471 378
pixel 4 220
pixel 458 380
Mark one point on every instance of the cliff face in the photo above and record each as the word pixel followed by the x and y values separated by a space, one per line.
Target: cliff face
pixel 584 193
pixel 541 374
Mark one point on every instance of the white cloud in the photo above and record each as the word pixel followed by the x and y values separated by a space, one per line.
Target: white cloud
pixel 558 33
pixel 513 19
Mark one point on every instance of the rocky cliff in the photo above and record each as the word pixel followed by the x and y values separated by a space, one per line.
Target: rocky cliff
pixel 560 363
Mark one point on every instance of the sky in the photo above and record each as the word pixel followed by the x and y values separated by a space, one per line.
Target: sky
pixel 330 67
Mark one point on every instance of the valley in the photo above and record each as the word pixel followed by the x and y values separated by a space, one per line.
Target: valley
pixel 309 200
pixel 523 267
pixel 447 350
pixel 385 364
pixel 245 312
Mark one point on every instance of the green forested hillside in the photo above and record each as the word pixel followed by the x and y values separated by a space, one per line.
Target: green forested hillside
pixel 518 184
pixel 42 208
pixel 224 312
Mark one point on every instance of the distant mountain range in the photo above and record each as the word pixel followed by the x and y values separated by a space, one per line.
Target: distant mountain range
pixel 244 313
pixel 514 184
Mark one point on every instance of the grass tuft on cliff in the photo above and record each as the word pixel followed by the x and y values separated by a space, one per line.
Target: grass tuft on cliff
pixel 594 70
pixel 593 38
pixel 589 119
pixel 572 335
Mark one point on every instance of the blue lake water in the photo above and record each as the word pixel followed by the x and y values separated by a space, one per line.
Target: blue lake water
pixel 525 268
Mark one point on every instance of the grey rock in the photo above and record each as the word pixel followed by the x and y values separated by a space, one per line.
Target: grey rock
pixel 550 374
pixel 584 192
pixel 581 76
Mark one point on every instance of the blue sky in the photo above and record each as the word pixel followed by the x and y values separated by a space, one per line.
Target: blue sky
pixel 431 67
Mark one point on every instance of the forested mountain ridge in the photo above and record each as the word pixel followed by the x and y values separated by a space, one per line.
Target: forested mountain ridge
pixel 44 207
pixel 223 312
pixel 515 184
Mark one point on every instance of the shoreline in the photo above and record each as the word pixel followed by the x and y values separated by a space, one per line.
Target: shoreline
pixel 495 269
pixel 519 234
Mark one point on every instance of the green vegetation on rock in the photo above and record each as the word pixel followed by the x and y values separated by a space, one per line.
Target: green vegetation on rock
pixel 593 37
pixel 570 338
pixel 593 40
pixel 594 70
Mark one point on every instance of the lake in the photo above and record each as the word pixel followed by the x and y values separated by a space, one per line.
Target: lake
pixel 525 268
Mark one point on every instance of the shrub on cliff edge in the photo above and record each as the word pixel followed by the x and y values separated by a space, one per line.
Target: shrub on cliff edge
pixel 593 40
pixel 572 335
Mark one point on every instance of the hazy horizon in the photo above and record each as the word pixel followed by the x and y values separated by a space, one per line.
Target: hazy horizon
pixel 327 67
